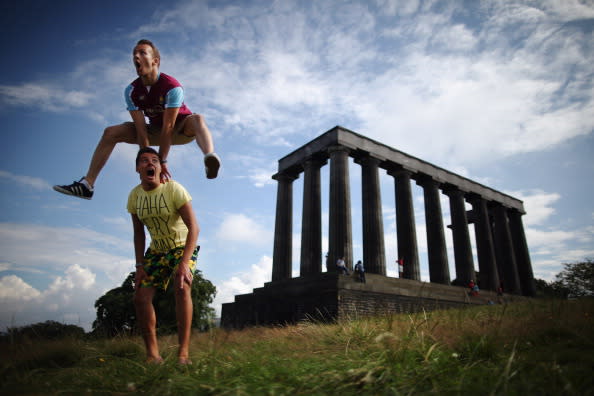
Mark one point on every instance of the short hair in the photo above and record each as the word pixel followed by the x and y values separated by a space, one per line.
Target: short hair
pixel 156 52
pixel 145 150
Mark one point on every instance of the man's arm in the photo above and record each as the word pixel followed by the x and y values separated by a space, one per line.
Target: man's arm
pixel 169 118
pixel 140 124
pixel 139 245
pixel 183 270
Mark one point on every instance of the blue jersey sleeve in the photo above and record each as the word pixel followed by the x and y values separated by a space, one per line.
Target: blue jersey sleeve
pixel 174 98
pixel 130 106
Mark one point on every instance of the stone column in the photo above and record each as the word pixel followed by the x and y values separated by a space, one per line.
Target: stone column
pixel 405 224
pixel 522 255
pixel 283 245
pixel 484 244
pixel 462 248
pixel 340 234
pixel 374 255
pixel 504 245
pixel 439 271
pixel 311 221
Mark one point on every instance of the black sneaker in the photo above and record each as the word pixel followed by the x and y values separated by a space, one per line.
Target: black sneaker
pixel 212 163
pixel 76 189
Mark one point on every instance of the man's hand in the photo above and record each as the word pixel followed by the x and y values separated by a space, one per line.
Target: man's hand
pixel 183 275
pixel 165 175
pixel 139 277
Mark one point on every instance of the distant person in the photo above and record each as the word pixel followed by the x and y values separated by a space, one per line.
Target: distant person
pixel 500 290
pixel 342 268
pixel 500 299
pixel 159 97
pixel 165 209
pixel 360 271
pixel 474 289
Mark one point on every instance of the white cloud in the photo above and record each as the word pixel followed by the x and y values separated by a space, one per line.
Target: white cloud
pixel 539 205
pixel 33 182
pixel 14 288
pixel 75 277
pixel 241 228
pixel 259 168
pixel 30 246
pixel 70 296
pixel 490 86
pixel 398 7
pixel 79 265
pixel 47 97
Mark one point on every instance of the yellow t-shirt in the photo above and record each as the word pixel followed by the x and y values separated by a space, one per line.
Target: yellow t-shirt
pixel 158 211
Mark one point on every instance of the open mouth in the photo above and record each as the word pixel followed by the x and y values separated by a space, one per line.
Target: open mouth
pixel 150 172
pixel 137 64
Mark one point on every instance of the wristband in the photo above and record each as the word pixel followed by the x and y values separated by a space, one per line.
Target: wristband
pixel 139 265
pixel 163 161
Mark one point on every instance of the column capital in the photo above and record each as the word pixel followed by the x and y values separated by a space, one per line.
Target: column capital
pixel 496 204
pixel 450 190
pixel 475 198
pixel 399 170
pixel 367 157
pixel 516 211
pixel 424 180
pixel 337 148
pixel 284 176
pixel 313 161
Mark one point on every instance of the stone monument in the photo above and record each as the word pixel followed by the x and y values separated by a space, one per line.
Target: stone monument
pixel 502 251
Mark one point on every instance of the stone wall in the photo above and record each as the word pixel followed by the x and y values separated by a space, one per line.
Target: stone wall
pixel 330 296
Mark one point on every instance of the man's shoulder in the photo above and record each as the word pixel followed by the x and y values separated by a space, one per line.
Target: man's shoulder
pixel 176 189
pixel 168 80
pixel 137 82
pixel 172 185
pixel 135 189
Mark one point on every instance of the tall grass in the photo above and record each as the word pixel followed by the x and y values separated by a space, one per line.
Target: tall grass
pixel 538 347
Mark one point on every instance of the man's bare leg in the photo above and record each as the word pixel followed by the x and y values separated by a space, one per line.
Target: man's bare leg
pixel 183 311
pixel 195 125
pixel 112 135
pixel 147 320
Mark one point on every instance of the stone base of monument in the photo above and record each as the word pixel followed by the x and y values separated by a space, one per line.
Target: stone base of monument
pixel 330 297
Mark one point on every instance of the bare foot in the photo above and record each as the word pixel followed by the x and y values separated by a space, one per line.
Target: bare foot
pixel 184 361
pixel 154 360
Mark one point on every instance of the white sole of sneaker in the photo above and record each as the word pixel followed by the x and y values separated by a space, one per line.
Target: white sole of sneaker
pixel 67 192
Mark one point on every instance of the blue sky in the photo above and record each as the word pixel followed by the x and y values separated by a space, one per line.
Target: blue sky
pixel 500 92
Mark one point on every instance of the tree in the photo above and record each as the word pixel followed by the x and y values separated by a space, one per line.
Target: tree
pixel 48 330
pixel 550 289
pixel 577 278
pixel 115 310
pixel 116 314
pixel 203 293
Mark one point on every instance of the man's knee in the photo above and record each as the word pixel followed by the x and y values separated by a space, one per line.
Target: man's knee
pixel 192 125
pixel 142 297
pixel 121 133
pixel 196 118
pixel 183 294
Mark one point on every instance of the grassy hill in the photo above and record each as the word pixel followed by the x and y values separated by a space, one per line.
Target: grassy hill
pixel 540 347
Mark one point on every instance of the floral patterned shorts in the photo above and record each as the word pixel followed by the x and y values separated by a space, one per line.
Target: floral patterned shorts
pixel 161 266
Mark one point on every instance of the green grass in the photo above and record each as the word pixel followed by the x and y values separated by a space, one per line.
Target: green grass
pixel 542 347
